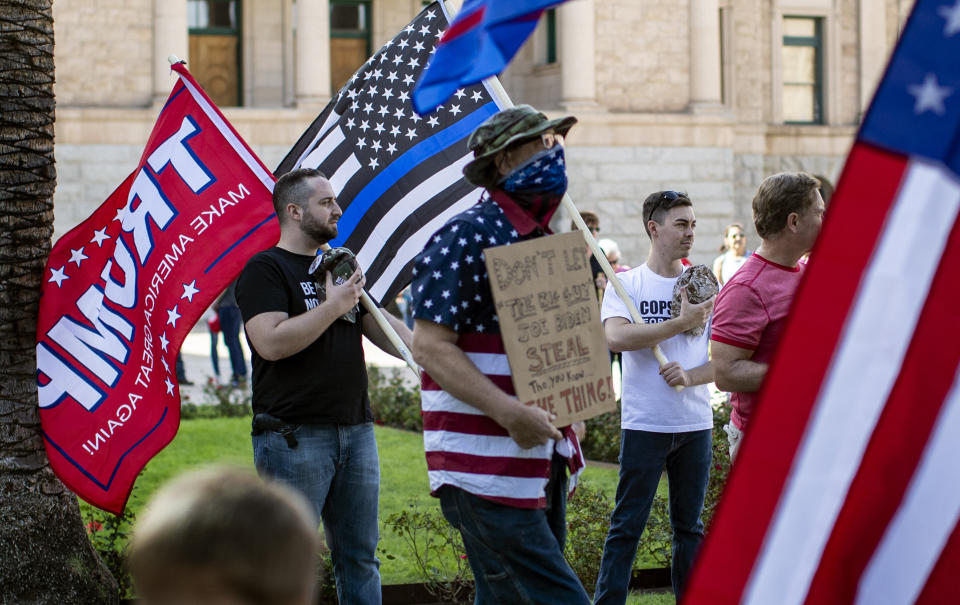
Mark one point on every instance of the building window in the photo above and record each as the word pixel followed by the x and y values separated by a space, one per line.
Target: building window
pixel 802 63
pixel 550 23
pixel 214 39
pixel 349 39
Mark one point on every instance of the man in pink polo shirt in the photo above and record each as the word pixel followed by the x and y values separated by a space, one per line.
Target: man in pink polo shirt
pixel 752 307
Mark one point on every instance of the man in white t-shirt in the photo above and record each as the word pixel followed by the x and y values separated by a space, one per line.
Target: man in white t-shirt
pixel 662 427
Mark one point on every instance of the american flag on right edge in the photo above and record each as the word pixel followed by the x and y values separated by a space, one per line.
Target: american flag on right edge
pixel 847 489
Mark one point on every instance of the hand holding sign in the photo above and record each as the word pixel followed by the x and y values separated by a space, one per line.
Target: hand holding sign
pixel 531 426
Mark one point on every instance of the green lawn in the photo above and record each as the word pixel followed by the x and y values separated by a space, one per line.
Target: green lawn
pixel 403 477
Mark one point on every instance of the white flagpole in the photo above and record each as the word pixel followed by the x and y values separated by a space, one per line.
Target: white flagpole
pixel 453 6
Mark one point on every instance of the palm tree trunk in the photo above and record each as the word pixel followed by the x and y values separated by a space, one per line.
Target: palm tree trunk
pixel 45 556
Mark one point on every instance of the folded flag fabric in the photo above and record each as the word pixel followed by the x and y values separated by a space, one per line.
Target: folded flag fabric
pixel 123 288
pixel 481 41
pixel 398 176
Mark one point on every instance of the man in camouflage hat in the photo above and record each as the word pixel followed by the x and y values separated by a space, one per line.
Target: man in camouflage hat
pixel 500 468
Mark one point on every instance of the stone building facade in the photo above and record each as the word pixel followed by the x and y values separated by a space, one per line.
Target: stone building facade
pixel 706 96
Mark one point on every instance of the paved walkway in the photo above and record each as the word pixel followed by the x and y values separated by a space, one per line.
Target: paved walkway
pixel 199 367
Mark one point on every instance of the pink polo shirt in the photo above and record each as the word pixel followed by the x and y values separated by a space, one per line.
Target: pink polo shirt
pixel 750 313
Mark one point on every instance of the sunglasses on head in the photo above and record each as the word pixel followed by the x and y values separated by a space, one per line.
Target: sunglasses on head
pixel 665 196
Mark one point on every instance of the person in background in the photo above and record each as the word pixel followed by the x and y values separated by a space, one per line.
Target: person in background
pixel 752 307
pixel 213 325
pixel 229 314
pixel 225 537
pixel 593 225
pixel 663 429
pixel 733 253
pixel 181 371
pixel 612 250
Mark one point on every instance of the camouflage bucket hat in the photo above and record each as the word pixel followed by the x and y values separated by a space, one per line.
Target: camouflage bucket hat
pixel 502 130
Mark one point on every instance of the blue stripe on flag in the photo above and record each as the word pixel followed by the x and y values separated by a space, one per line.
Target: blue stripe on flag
pixel 404 164
pixel 240 241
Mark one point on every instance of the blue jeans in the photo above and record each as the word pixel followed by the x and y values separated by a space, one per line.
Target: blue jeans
pixel 643 456
pixel 337 468
pixel 516 554
pixel 230 326
pixel 214 353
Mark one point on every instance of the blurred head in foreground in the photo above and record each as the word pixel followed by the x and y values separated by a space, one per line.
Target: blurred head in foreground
pixel 224 536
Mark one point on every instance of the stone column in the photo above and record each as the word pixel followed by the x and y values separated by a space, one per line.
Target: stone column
pixel 704 54
pixel 169 38
pixel 577 42
pixel 873 48
pixel 312 53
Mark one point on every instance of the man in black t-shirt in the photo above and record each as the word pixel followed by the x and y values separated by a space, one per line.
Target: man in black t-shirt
pixel 309 374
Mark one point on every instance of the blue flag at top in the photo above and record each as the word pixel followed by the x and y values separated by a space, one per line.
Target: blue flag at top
pixel 479 43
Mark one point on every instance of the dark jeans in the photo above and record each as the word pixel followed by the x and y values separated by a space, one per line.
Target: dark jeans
pixel 337 468
pixel 214 353
pixel 516 554
pixel 643 455
pixel 230 326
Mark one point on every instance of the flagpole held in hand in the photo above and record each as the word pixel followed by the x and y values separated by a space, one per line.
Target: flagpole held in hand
pixel 567 203
pixel 388 330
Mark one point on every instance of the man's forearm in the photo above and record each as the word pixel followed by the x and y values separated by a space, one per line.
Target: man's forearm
pixel 296 333
pixel 701 374
pixel 633 337
pixel 740 376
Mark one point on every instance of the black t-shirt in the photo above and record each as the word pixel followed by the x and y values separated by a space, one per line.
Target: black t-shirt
pixel 326 383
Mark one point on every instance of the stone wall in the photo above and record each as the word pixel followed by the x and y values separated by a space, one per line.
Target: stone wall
pixel 643 55
pixel 614 181
pixel 750 48
pixel 389 17
pixel 263 53
pixel 104 52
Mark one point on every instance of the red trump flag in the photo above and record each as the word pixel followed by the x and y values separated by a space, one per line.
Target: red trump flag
pixel 123 288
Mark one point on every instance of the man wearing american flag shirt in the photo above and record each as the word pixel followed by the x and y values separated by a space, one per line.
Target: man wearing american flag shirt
pixel 500 468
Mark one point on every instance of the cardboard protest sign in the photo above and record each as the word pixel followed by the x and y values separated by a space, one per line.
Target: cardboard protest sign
pixel 550 324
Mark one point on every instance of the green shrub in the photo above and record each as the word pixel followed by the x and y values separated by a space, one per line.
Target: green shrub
pixel 437 550
pixel 721 461
pixel 602 441
pixel 109 534
pixel 220 401
pixel 588 521
pixel 392 401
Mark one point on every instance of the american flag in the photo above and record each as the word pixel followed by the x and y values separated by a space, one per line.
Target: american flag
pixel 397 174
pixel 847 487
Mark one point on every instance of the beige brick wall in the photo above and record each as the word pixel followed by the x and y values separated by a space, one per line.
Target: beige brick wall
pixel 848 86
pixel 389 17
pixel 751 47
pixel 263 40
pixel 103 52
pixel 629 76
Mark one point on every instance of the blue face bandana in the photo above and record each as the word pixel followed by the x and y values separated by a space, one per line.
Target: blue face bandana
pixel 544 174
